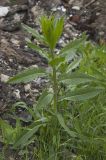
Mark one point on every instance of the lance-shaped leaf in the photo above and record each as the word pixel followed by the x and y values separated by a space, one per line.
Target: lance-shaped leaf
pixel 26 136
pixel 52 29
pixel 44 100
pixel 38 49
pixel 35 34
pixel 73 45
pixel 62 123
pixel 74 64
pixel 7 132
pixel 82 94
pixel 27 75
pixel 76 78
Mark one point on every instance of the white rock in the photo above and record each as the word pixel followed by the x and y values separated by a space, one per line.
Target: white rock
pixel 34 66
pixel 27 87
pixel 4 78
pixel 76 8
pixel 38 81
pixel 17 93
pixel 63 9
pixel 35 91
pixel 15 41
pixel 4 11
pixel 54 9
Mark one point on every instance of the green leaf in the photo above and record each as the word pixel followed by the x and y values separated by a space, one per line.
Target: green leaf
pixel 44 100
pixel 27 75
pixel 58 28
pixel 82 94
pixel 21 105
pixel 62 123
pixel 74 64
pixel 47 29
pixel 73 45
pixel 38 49
pixel 7 132
pixel 26 136
pixel 76 78
pixel 57 61
pixel 52 29
pixel 34 33
pixel 98 74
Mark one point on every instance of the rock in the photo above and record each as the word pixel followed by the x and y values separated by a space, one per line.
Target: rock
pixel 27 87
pixel 76 8
pixel 4 78
pixel 16 93
pixel 4 11
pixel 13 18
pixel 97 19
pixel 15 42
pixel 37 12
pixel 17 9
pixel 76 2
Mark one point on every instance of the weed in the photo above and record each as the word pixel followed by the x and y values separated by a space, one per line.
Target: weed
pixel 69 117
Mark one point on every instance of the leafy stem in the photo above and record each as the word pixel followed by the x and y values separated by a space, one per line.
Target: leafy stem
pixel 55 85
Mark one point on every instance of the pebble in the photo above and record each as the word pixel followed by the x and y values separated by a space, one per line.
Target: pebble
pixel 34 66
pixel 4 11
pixel 17 93
pixel 15 41
pixel 27 87
pixel 4 78
pixel 76 8
pixel 35 91
pixel 60 8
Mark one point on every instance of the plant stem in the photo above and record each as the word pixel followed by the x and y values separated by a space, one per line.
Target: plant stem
pixel 55 86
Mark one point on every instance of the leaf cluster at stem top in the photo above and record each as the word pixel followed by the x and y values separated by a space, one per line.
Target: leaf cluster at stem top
pixel 52 29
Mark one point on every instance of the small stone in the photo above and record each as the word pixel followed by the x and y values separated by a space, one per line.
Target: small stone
pixel 101 33
pixel 17 93
pixel 27 87
pixel 34 66
pixel 38 81
pixel 98 14
pixel 63 9
pixel 75 18
pixel 4 78
pixel 4 11
pixel 14 41
pixel 54 9
pixel 11 18
pixel 11 60
pixel 35 91
pixel 76 8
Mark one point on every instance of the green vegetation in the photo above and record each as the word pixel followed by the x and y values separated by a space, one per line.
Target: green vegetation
pixel 69 120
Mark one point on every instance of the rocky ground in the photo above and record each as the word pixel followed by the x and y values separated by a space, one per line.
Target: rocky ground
pixel 81 15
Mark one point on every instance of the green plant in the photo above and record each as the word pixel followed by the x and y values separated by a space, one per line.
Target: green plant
pixel 55 116
pixel 61 72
